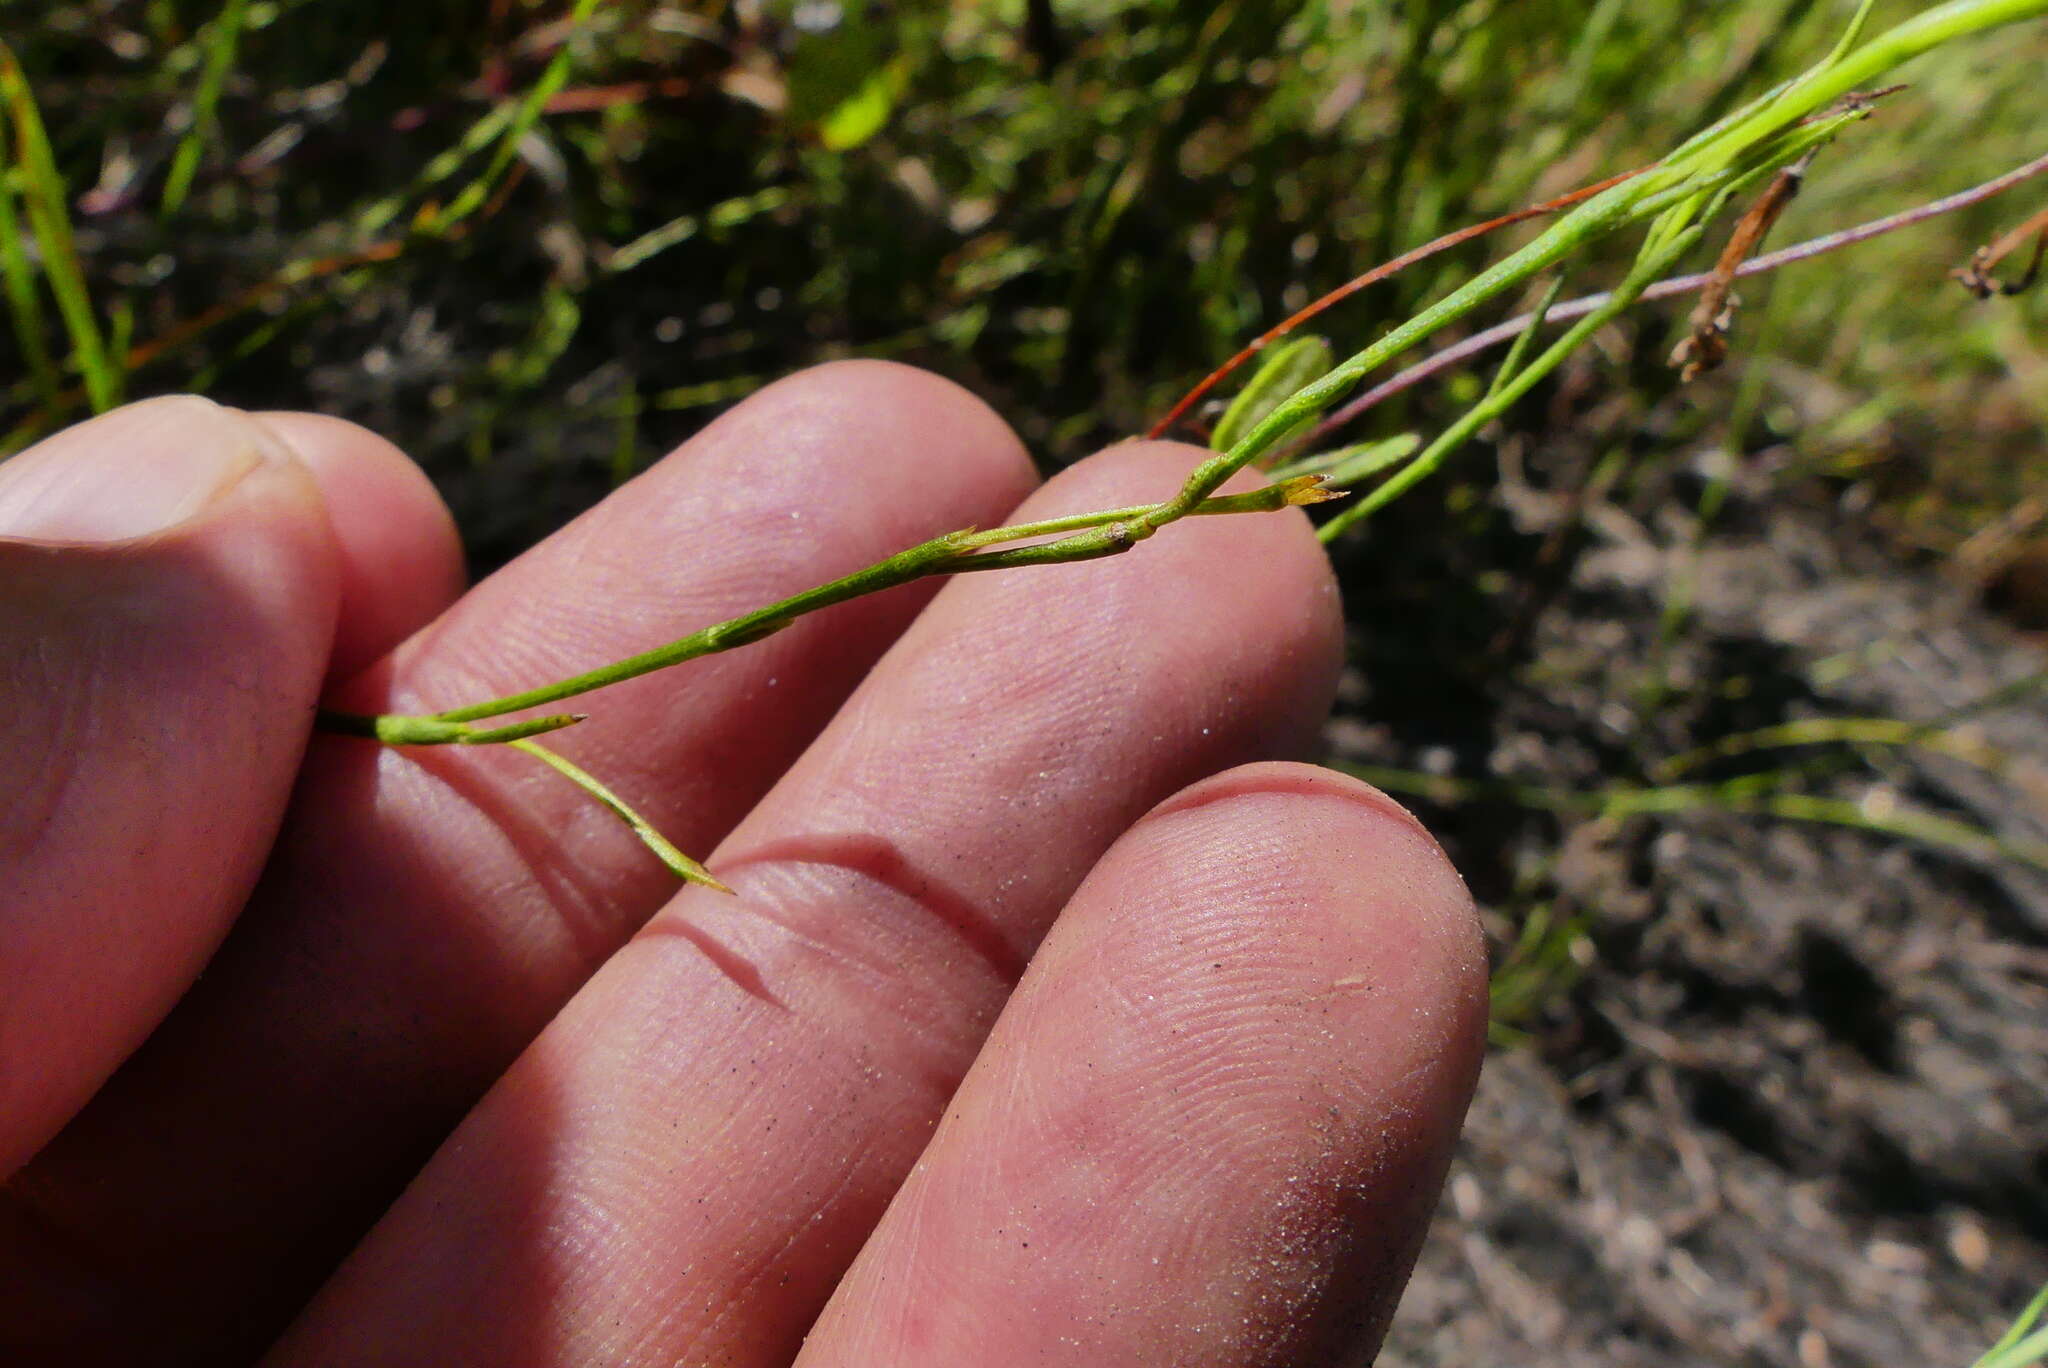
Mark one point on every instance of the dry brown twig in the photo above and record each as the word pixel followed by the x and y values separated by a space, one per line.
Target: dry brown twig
pixel 1977 278
pixel 1706 346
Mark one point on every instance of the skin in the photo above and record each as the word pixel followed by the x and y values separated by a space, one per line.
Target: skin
pixel 1056 1018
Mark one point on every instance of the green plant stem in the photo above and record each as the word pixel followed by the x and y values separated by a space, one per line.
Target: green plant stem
pixel 1081 537
pixel 43 197
pixel 2019 1354
pixel 1673 200
pixel 1681 190
pixel 1514 328
pixel 1847 72
pixel 489 125
pixel 2016 1348
pixel 1677 196
pixel 1518 350
pixel 1503 396
pixel 1670 238
pixel 24 309
pixel 531 106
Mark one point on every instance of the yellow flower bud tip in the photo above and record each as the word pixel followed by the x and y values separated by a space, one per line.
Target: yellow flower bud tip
pixel 1309 489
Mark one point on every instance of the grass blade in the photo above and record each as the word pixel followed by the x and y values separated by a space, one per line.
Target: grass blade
pixel 24 308
pixel 379 214
pixel 222 37
pixel 551 80
pixel 2016 1348
pixel 49 216
pixel 679 864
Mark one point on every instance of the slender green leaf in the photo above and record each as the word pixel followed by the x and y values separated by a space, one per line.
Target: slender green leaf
pixel 679 864
pixel 379 213
pixel 1346 465
pixel 24 306
pixel 865 112
pixel 222 37
pixel 49 215
pixel 523 119
pixel 1755 796
pixel 2016 1348
pixel 1288 367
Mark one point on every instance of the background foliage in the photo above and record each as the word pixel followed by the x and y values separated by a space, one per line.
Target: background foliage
pixel 1075 215
pixel 538 244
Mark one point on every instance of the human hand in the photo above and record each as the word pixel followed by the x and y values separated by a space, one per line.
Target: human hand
pixel 453 1018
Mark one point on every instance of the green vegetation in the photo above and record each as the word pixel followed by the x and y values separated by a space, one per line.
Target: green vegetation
pixel 1077 209
pixel 2016 1348
pixel 538 244
pixel 1077 223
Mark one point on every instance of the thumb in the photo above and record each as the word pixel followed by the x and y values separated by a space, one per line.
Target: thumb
pixel 169 598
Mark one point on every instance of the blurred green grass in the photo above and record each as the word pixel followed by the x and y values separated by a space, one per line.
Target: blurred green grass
pixel 538 253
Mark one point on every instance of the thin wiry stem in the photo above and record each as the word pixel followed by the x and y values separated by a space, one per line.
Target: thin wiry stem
pixel 1081 537
pixel 1492 337
pixel 1378 273
pixel 1506 392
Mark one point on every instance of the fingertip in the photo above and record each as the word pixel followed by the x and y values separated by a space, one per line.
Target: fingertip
pixel 1376 898
pixel 1212 1123
pixel 400 555
pixel 1349 921
pixel 1287 777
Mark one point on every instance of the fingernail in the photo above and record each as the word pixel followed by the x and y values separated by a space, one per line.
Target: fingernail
pixel 140 469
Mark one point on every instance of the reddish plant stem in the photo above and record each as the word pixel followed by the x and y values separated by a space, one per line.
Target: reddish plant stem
pixel 1373 277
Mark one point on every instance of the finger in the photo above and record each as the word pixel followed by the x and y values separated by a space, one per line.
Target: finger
pixel 401 558
pixel 679 1169
pixel 1212 1122
pixel 425 913
pixel 170 596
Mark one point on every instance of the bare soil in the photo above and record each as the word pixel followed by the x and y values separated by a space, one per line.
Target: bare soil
pixel 1796 1110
